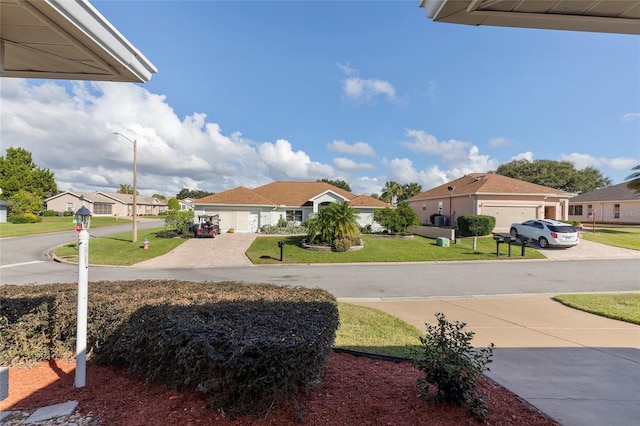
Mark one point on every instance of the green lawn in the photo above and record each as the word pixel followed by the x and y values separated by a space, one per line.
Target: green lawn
pixel 373 331
pixel 53 224
pixel 619 306
pixel 117 249
pixel 620 237
pixel 264 250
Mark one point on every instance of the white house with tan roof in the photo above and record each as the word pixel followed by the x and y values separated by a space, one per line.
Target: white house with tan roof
pixel 248 210
pixel 508 200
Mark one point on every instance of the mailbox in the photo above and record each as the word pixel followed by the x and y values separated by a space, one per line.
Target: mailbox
pixel 281 243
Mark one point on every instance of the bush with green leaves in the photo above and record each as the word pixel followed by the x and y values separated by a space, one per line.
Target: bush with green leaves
pixel 49 213
pixel 243 346
pixel 24 218
pixel 475 225
pixel 287 230
pixel 397 220
pixel 452 367
pixel 180 220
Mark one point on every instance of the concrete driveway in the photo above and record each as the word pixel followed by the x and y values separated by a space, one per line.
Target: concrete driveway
pixel 223 250
pixel 588 250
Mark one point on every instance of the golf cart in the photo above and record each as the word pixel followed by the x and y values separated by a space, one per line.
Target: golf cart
pixel 208 226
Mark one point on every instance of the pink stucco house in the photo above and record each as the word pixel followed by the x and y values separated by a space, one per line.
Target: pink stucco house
pixel 508 200
pixel 614 204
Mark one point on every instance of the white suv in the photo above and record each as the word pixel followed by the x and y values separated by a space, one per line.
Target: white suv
pixel 546 232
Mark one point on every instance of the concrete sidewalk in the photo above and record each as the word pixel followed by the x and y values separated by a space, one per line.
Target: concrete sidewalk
pixel 578 368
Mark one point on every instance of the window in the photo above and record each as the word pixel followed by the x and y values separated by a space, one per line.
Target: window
pixel 294 215
pixel 589 210
pixel 575 210
pixel 147 210
pixel 69 207
pixel 102 208
pixel 616 211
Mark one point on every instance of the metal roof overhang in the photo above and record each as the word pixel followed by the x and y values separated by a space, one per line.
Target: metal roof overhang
pixel 608 16
pixel 66 39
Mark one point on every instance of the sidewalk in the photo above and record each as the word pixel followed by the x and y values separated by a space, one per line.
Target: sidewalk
pixel 578 368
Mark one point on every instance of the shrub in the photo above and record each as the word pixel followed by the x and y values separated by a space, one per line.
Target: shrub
pixel 180 220
pixel 243 346
pixel 342 245
pixel 475 224
pixel 367 229
pixel 171 233
pixel 67 213
pixel 25 218
pixel 452 367
pixel 397 220
pixel 49 213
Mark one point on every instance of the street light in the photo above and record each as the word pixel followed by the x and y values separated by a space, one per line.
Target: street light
pixel 83 220
pixel 135 187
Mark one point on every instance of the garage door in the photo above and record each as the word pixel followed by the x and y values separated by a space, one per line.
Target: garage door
pixel 506 215
pixel 238 220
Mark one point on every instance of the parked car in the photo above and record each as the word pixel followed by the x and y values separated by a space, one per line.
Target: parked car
pixel 546 232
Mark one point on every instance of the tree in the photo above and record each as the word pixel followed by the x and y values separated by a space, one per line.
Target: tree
pixel 19 172
pixel 339 183
pixel 25 202
pixel 409 190
pixel 336 222
pixel 125 189
pixel 192 193
pixel 634 179
pixel 159 196
pixel 560 175
pixel 173 204
pixel 391 192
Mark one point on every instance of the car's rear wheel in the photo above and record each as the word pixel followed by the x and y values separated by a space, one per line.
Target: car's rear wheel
pixel 513 232
pixel 543 242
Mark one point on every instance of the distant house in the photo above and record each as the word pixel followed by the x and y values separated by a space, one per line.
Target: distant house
pixel 613 204
pixel 106 203
pixel 248 210
pixel 4 210
pixel 508 200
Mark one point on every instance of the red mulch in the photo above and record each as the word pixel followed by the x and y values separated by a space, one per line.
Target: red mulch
pixel 355 391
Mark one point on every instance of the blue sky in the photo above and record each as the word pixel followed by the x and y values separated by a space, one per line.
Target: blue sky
pixel 368 92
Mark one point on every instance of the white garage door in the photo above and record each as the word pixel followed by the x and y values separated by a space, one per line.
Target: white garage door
pixel 506 215
pixel 238 220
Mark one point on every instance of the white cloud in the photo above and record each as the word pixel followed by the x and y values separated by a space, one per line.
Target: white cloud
pixel 457 155
pixel 584 160
pixel 498 142
pixel 347 164
pixel 362 90
pixel 361 149
pixel 528 155
pixel 72 135
pixel 630 116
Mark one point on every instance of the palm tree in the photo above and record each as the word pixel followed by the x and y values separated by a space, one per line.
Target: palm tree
pixel 410 189
pixel 634 179
pixel 336 222
pixel 392 189
pixel 125 189
pixel 343 220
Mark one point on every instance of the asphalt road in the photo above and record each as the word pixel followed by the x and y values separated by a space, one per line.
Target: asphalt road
pixel 23 261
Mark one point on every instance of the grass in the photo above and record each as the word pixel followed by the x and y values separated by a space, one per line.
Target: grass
pixel 53 224
pixel 118 249
pixel 371 330
pixel 264 250
pixel 619 306
pixel 619 237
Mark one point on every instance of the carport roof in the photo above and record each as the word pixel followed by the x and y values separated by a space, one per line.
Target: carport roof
pixel 620 16
pixel 66 39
